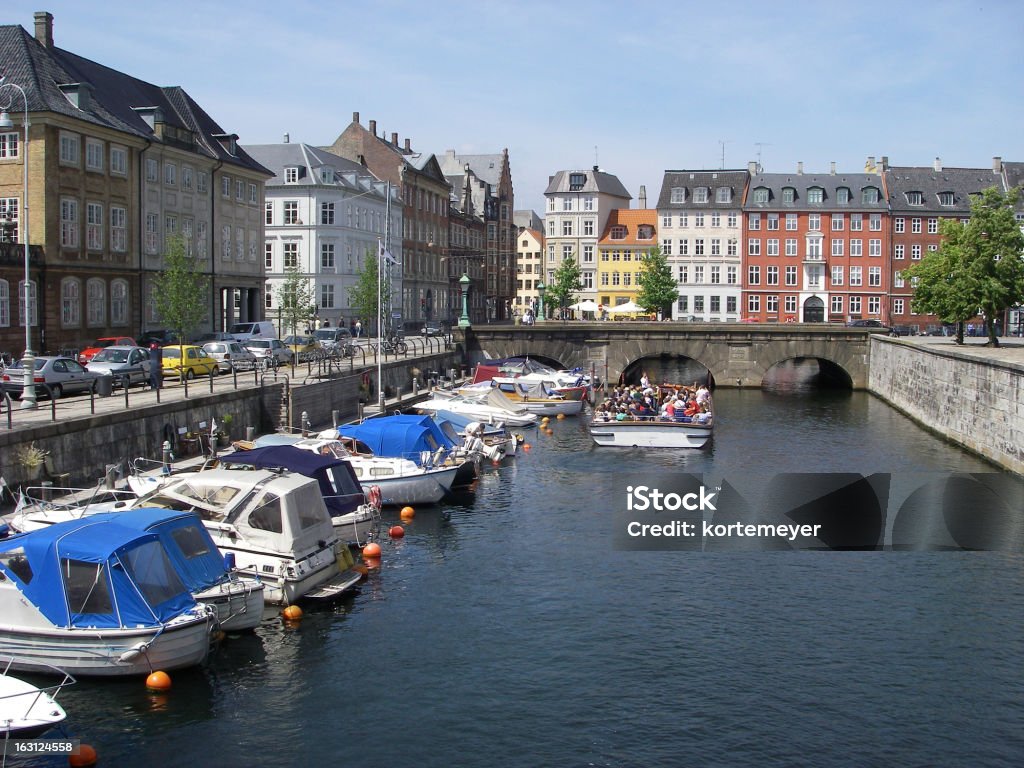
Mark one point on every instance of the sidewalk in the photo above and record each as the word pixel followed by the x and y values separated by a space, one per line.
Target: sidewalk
pixel 1010 349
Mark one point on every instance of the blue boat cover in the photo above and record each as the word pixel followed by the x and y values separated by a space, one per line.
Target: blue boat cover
pixel 95 573
pixel 200 565
pixel 337 480
pixel 407 437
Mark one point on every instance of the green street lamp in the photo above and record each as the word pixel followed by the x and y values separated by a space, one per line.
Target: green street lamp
pixel 464 282
pixel 540 305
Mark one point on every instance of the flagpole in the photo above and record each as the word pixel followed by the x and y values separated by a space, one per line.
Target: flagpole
pixel 380 330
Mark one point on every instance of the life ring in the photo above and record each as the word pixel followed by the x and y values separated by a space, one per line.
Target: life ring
pixel 375 496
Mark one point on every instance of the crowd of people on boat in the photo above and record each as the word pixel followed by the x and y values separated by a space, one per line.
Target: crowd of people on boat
pixel 665 402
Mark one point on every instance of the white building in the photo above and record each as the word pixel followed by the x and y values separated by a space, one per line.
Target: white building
pixel 325 215
pixel 700 226
pixel 578 204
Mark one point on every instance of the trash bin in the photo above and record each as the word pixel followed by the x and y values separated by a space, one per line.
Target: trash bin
pixel 105 386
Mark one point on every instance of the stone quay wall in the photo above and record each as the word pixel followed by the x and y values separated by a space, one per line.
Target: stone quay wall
pixel 977 402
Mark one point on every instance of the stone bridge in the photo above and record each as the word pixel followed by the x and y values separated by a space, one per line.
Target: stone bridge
pixel 737 355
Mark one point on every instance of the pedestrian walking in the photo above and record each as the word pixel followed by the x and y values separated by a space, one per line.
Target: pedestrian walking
pixel 156 365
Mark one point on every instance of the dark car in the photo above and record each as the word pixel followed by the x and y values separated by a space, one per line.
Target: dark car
pixel 873 325
pixel 161 336
pixel 433 328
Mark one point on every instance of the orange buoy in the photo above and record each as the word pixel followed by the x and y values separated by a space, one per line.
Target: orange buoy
pixel 396 532
pixel 372 550
pixel 158 681
pixel 560 416
pixel 550 431
pixel 526 446
pixel 84 757
pixel 372 563
pixel 407 514
pixel 292 613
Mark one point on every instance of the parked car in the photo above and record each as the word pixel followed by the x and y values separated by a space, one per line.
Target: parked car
pixel 433 328
pixel 903 330
pixel 90 351
pixel 874 325
pixel 334 340
pixel 213 336
pixel 188 361
pixel 163 337
pixel 63 375
pixel 261 329
pixel 302 347
pixel 271 352
pixel 230 355
pixel 122 361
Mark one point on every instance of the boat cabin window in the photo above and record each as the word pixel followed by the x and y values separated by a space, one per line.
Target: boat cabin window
pixel 190 541
pixel 15 561
pixel 381 471
pixel 152 572
pixel 267 516
pixel 310 508
pixel 85 587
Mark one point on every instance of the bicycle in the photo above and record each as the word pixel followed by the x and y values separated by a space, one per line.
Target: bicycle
pixel 394 345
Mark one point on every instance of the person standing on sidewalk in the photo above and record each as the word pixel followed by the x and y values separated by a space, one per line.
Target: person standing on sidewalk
pixel 156 365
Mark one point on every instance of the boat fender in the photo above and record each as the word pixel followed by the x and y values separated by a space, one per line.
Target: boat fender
pixel 345 558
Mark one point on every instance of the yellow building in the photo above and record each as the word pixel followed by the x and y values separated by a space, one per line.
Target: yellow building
pixel 628 236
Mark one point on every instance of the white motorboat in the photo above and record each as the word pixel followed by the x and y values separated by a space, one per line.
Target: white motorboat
pixel 93 597
pixel 25 710
pixel 486 406
pixel 537 397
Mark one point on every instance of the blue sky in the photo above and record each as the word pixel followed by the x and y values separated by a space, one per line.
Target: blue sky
pixel 636 87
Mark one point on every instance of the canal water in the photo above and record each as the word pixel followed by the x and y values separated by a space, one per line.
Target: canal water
pixel 506 629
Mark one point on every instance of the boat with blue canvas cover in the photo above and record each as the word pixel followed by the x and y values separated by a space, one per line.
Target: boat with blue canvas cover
pixel 237 599
pixel 413 437
pixel 94 597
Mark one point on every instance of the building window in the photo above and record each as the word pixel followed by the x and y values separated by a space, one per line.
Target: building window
pixel 684 275
pixel 567 228
pixel 170 174
pixel 753 275
pixel 760 196
pixel 566 251
pixel 588 203
pixel 588 254
pixel 666 246
pixel 791 275
pixel 898 252
pixel 616 278
pixel 875 276
pixel 897 306
pixel 678 195
pixel 731 274
pixel 915 226
pixel 788 195
pixel 837 222
pixel 914 198
pixel 730 220
pixel 118 229
pixel 915 252
pixel 698 219
pixel 730 247
pixel 70 303
pixel 327 297
pixel 874 247
pixel 700 195
pixel 291 255
pixel 771 276
pixel 152 233
pixel 68 223
pixel 253 196
pixel 814 222
pixel 588 227
pixel 684 220
pixel 837 275
pixel 698 304
pixel 9 210
pixel 854 305
pixel 577 181
pixel 225 186
pixel 186 178
pixel 772 222
pixel 791 222
pixel 94 226
pixel 836 305
pixel 566 203
pixel 945 198
pixel 899 225
pixel 698 274
pixel 170 226
pixel 239 190
pixel 815 196
pixel 327 257
pixel 716 275
pixel 771 304
pixel 93 155
pixel 837 247
pixel 875 222
pixel 291 175
pixel 790 305
pixel 95 303
pixel 791 246
pixel 119 303
pixel 698 246
pixel 723 195
pixel 683 303
pixel 754 222
pixel 327 213
pixel 856 247
pixel 856 222
pixel 268 213
pixel 773 246
pixel 855 276
pixel 201 239
pixel 753 304
pixel 291 212
pixel 70 147
pixel 716 246
pixel 933 226
pixel 684 247
pixel 843 196
pixel 869 195
pixel 8 146
pixel 203 182
pixel 754 247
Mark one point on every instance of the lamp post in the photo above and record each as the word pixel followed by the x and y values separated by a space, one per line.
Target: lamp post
pixel 540 309
pixel 464 282
pixel 28 361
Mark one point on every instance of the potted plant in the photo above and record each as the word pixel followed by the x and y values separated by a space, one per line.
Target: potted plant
pixel 32 459
pixel 224 433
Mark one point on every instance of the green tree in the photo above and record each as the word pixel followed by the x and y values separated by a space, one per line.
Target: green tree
pixel 977 268
pixel 295 297
pixel 658 291
pixel 566 283
pixel 362 296
pixel 180 291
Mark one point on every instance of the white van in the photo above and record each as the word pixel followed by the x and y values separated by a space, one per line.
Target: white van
pixel 261 329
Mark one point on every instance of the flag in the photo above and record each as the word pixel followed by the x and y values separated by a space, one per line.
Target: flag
pixel 384 256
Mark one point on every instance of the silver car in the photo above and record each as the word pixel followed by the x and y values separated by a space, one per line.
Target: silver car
pixel 121 362
pixel 230 355
pixel 53 375
pixel 270 352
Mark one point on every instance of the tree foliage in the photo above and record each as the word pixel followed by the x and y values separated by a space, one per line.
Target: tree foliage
pixel 362 296
pixel 180 291
pixel 977 267
pixel 565 285
pixel 296 299
pixel 658 289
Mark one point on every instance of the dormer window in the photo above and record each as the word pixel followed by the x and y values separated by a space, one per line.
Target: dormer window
pixel 645 232
pixel 946 198
pixel 678 195
pixel 869 195
pixel 700 195
pixel 788 195
pixel 291 175
pixel 327 175
pixel 915 198
pixel 815 196
pixel 618 233
pixel 842 196
pixel 761 195
pixel 723 195
pixel 576 181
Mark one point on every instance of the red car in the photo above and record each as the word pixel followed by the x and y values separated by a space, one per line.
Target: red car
pixel 89 352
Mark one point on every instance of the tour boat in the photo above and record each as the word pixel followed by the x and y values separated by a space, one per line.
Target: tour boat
pixel 94 597
pixel 25 710
pixel 652 432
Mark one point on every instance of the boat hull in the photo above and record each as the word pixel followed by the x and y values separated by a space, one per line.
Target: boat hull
pixel 26 711
pixel 650 434
pixel 184 642
pixel 238 604
pixel 422 488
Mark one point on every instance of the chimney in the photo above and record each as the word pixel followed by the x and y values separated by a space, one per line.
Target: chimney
pixel 408 145
pixel 642 197
pixel 885 162
pixel 373 127
pixel 832 168
pixel 394 138
pixel 997 165
pixel 355 117
pixel 287 138
pixel 938 164
pixel 800 168
pixel 44 28
pixel 596 169
pixel 752 167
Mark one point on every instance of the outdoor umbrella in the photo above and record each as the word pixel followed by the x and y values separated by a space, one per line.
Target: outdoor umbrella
pixel 627 308
pixel 585 306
